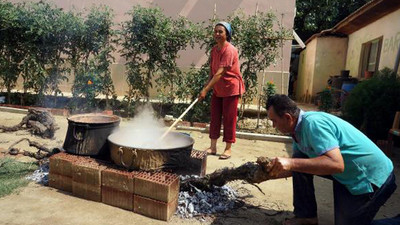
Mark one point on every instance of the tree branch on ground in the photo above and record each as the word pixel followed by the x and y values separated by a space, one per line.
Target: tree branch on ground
pixel 37 121
pixel 43 151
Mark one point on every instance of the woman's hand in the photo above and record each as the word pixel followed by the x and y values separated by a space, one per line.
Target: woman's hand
pixel 202 94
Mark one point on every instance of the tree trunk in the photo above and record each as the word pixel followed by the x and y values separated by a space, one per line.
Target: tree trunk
pixel 9 94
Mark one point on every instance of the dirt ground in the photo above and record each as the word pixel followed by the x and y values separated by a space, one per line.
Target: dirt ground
pixel 37 204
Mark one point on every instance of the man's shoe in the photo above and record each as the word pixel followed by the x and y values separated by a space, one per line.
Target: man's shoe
pixel 301 221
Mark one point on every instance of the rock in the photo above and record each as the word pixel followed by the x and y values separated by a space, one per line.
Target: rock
pixel 168 118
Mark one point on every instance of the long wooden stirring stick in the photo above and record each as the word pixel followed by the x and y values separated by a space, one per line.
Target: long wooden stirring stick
pixel 177 120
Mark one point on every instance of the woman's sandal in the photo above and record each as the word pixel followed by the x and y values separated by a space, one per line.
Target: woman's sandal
pixel 223 156
pixel 210 152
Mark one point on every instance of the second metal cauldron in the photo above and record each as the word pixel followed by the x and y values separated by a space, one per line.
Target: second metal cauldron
pixel 87 134
pixel 175 154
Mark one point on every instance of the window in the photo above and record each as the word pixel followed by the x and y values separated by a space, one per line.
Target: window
pixel 370 53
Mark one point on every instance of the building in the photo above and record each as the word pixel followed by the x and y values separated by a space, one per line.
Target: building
pixel 364 42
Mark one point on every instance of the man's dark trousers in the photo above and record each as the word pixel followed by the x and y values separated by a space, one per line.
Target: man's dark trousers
pixel 349 209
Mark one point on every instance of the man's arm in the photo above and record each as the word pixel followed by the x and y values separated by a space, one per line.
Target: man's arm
pixel 327 164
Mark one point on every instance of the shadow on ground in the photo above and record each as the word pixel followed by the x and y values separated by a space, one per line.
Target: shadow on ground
pixel 250 214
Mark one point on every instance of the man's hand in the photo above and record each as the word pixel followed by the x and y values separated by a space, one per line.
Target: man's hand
pixel 279 166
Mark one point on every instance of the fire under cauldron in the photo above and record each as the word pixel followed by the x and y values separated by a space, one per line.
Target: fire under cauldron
pixel 174 154
pixel 87 134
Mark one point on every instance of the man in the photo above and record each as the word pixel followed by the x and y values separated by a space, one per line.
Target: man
pixel 328 146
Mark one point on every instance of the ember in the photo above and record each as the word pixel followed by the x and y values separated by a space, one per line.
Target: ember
pixel 40 175
pixel 197 202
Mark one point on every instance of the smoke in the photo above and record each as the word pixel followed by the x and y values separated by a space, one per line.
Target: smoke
pixel 145 131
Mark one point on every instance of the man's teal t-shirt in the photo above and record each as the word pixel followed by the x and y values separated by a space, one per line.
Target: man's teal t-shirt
pixel 365 164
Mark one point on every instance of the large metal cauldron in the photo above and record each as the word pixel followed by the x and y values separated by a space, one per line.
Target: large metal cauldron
pixel 176 154
pixel 87 134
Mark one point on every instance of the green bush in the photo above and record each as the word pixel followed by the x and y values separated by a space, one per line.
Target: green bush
pixel 268 91
pixel 192 84
pixel 326 98
pixel 372 104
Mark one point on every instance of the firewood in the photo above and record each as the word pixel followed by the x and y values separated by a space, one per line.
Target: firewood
pixel 251 172
pixel 37 121
pixel 43 151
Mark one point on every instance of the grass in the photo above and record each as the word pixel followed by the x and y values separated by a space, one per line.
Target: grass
pixel 12 175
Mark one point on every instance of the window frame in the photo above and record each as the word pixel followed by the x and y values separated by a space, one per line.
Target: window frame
pixel 365 56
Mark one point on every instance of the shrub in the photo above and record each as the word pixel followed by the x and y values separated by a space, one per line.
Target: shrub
pixel 372 104
pixel 268 91
pixel 326 98
pixel 191 86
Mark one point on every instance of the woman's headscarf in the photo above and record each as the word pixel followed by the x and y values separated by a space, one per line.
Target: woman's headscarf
pixel 228 28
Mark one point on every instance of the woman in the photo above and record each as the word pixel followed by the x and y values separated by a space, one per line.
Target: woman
pixel 227 84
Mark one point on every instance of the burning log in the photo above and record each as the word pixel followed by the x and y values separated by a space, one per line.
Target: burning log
pixel 43 152
pixel 250 172
pixel 37 121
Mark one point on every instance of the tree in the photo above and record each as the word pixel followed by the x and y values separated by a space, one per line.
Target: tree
pixel 44 44
pixel 91 45
pixel 193 82
pixel 10 46
pixel 258 38
pixel 313 16
pixel 150 44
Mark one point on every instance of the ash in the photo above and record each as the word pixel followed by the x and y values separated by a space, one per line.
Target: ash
pixel 197 203
pixel 40 175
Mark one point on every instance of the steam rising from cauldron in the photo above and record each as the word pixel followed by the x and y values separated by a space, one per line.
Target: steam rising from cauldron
pixel 145 131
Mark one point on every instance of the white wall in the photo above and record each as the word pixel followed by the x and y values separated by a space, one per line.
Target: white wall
pixel 389 28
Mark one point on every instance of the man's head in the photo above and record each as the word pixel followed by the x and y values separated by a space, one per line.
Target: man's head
pixel 283 112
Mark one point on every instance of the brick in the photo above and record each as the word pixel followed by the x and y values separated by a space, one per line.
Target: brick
pixel 86 191
pixel 201 125
pixel 120 180
pixel 61 163
pixel 120 199
pixel 184 123
pixel 153 208
pixel 197 165
pixel 160 186
pixel 198 162
pixel 60 182
pixel 87 171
